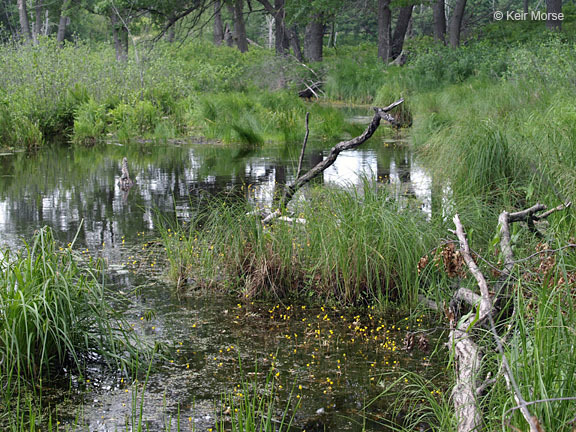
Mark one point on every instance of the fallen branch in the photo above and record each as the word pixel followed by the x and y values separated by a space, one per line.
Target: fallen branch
pixel 467 354
pixel 379 115
pixel 529 216
pixel 125 181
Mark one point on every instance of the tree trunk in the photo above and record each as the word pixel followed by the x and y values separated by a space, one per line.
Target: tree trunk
pixel 37 19
pixel 218 27
pixel 525 8
pixel 554 7
pixel 400 31
pixel 64 20
pixel 239 26
pixel 228 36
pixel 46 23
pixel 332 38
pixel 270 31
pixel 456 23
pixel 120 36
pixel 282 39
pixel 282 43
pixel 313 41
pixel 24 23
pixel 439 12
pixel 295 44
pixel 384 29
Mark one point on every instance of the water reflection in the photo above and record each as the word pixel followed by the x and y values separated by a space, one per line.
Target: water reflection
pixel 62 186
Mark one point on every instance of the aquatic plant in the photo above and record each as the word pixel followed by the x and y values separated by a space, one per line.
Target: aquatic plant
pixel 55 314
pixel 356 245
pixel 252 406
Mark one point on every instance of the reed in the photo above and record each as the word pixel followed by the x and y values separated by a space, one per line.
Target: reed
pixel 356 246
pixel 55 313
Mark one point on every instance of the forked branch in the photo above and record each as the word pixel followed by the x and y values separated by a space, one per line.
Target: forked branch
pixel 467 352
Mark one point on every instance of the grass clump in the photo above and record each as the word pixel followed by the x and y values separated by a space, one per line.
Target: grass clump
pixel 252 406
pixel 356 246
pixel 252 119
pixel 54 314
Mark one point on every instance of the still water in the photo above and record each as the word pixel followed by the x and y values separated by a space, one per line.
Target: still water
pixel 333 363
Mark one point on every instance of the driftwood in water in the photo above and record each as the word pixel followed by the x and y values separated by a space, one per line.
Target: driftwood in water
pixel 125 181
pixel 467 353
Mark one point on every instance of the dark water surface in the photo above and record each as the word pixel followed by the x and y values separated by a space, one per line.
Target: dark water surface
pixel 333 362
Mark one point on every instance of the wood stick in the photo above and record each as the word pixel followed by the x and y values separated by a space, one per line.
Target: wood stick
pixel 486 312
pixel 379 114
pixel 303 146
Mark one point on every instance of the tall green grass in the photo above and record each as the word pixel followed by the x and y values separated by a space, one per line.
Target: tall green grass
pixel 54 314
pixel 252 119
pixel 356 246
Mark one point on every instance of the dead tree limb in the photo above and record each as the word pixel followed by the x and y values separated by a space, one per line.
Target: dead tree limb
pixel 466 351
pixel 125 182
pixel 303 146
pixel 379 115
pixel 528 215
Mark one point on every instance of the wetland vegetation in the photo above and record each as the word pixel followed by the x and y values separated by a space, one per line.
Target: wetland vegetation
pixel 176 304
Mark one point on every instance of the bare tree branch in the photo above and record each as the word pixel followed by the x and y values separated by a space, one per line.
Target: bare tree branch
pixel 379 114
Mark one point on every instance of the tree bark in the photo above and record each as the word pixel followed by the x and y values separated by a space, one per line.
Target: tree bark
pixel 282 43
pixel 554 7
pixel 332 38
pixel 218 27
pixel 239 26
pixel 295 44
pixel 313 41
pixel 63 22
pixel 456 23
pixel 525 6
pixel 120 36
pixel 400 31
pixel 171 34
pixel 24 22
pixel 228 37
pixel 38 18
pixel 384 29
pixel 439 12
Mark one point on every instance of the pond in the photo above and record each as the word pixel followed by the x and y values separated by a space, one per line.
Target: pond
pixel 332 363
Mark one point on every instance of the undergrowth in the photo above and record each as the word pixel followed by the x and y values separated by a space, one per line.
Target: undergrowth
pixel 55 319
pixel 356 246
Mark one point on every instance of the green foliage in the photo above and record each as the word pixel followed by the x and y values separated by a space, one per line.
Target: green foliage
pixel 82 92
pixel 89 122
pixel 355 246
pixel 355 75
pixel 255 118
pixel 54 313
